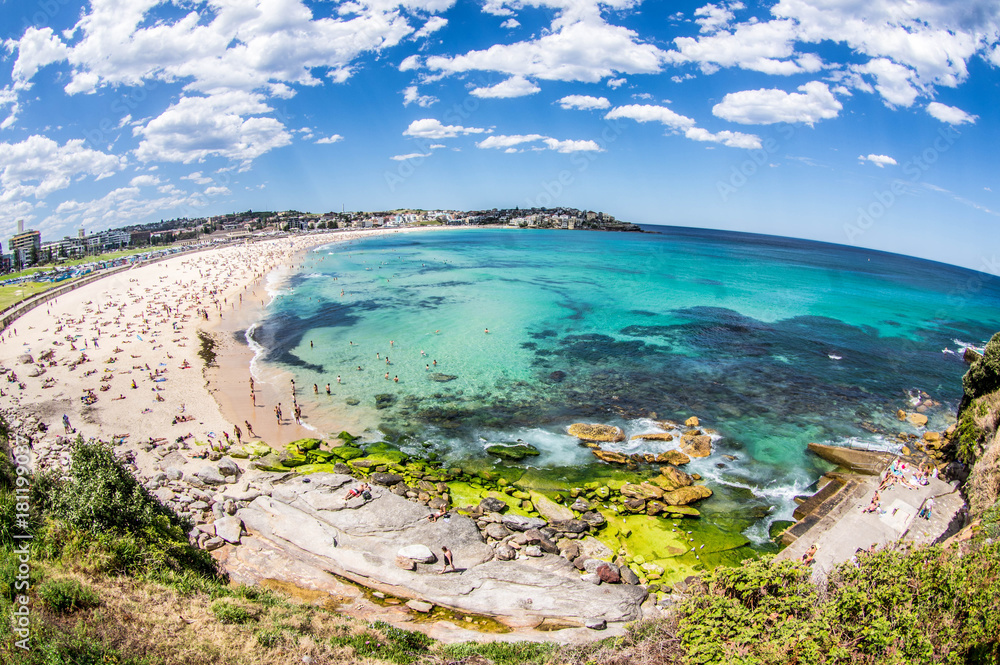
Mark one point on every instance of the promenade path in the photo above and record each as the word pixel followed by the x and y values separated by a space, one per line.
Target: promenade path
pixel 845 529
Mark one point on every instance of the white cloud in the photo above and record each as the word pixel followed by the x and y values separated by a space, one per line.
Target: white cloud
pixel 510 24
pixel 431 128
pixel 581 46
pixel 228 125
pixel 569 146
pixel 412 155
pixel 509 143
pixel 217 191
pixel 950 114
pixel 508 140
pixel 412 96
pixel 144 180
pixel 335 138
pixel 8 97
pixel 496 8
pixel 584 102
pixel 713 17
pixel 682 124
pixel 878 160
pixel 893 82
pixel 651 113
pixel 767 47
pixel 726 138
pixel 814 102
pixel 38 166
pixel 433 24
pixel 119 207
pixel 515 86
pixel 197 178
pixel 409 63
pixel 614 84
pixel 37 48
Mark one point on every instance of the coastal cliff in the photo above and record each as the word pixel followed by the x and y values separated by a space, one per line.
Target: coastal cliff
pixel 976 435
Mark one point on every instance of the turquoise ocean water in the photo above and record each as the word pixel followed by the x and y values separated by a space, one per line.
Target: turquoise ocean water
pixel 772 342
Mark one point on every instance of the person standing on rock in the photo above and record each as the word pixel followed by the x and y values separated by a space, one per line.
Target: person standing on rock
pixel 449 560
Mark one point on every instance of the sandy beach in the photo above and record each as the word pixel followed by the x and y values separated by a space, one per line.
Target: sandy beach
pixel 121 355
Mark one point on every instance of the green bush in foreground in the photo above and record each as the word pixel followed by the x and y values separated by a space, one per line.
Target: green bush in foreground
pixel 921 606
pixel 66 595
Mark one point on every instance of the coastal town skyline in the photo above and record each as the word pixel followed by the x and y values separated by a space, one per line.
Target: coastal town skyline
pixel 864 124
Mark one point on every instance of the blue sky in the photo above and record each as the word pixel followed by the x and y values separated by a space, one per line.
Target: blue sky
pixel 861 122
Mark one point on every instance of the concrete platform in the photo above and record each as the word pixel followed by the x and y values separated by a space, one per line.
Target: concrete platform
pixel 845 528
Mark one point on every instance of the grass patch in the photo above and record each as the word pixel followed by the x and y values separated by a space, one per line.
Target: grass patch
pixel 231 613
pixel 67 595
pixel 502 653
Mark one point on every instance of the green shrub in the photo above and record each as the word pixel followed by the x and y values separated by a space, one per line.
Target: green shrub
pixel 387 642
pixel 983 376
pixel 66 595
pixel 231 613
pixel 502 653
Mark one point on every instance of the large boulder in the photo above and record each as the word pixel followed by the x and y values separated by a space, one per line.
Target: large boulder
pixel 597 432
pixel 686 495
pixel 229 529
pixel 917 419
pixel 608 456
pixel 520 523
pixel 675 457
pixel 210 476
pixel 491 504
pixel 644 491
pixel 671 478
pixel 654 436
pixel 228 467
pixel 608 572
pixel 549 509
pixel 417 553
pixel 571 526
pixel 594 519
pixel 386 479
pixel 698 445
pixel 512 452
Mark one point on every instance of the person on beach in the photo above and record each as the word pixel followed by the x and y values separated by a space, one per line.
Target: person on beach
pixel 315 389
pixel 328 388
pixel 249 428
pixel 874 505
pixel 66 426
pixel 238 433
pixel 810 554
pixel 277 412
pixel 298 414
pixel 449 561
pixel 338 379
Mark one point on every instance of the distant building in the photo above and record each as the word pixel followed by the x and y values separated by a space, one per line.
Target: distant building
pixel 25 246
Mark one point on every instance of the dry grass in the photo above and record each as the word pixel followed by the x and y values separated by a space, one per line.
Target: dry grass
pixel 648 642
pixel 983 486
pixel 145 620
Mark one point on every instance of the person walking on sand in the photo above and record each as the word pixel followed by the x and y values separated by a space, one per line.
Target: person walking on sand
pixel 239 433
pixel 277 412
pixel 449 561
pixel 249 428
pixel 338 379
pixel 66 423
